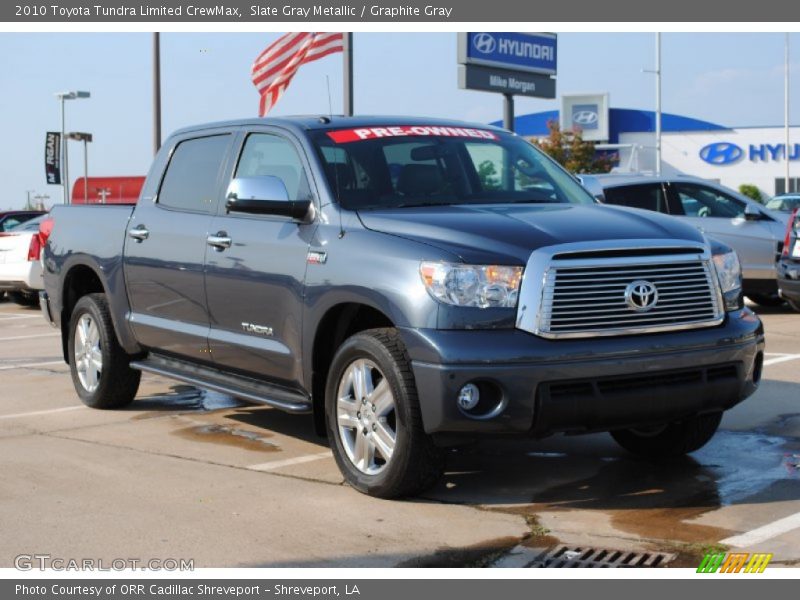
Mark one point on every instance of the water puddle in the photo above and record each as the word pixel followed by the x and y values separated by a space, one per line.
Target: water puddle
pixel 230 436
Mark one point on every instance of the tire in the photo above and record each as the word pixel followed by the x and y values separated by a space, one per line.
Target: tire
pixel 378 358
pixel 24 298
pixel 671 440
pixel 114 384
pixel 766 300
pixel 793 304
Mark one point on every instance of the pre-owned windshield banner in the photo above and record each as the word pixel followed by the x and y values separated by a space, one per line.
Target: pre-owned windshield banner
pixel 463 11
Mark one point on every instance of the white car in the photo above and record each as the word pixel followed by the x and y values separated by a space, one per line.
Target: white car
pixel 20 267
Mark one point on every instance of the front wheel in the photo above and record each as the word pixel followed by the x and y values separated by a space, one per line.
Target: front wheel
pixel 793 304
pixel 100 368
pixel 670 440
pixel 373 418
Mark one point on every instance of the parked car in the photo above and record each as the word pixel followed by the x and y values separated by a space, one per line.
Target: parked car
pixel 412 284
pixel 789 265
pixel 12 218
pixel 755 232
pixel 784 202
pixel 20 268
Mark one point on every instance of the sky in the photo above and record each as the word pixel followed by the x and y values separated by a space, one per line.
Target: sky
pixel 730 79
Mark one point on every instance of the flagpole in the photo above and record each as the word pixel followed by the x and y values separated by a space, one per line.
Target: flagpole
pixel 347 59
pixel 156 92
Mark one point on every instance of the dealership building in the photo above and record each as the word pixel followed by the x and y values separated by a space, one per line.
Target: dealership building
pixel 728 155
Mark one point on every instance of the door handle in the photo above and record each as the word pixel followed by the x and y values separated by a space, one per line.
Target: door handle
pixel 139 233
pixel 219 241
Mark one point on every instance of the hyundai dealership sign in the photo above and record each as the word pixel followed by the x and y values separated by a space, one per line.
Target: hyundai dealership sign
pixel 532 52
pixel 727 153
pixel 587 113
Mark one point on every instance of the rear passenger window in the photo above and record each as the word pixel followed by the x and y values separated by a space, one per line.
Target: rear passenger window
pixel 648 197
pixel 190 182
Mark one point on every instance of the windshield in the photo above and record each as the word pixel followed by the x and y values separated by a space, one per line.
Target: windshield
pixel 784 203
pixel 392 167
pixel 30 225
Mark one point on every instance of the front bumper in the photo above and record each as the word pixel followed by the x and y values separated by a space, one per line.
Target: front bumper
pixel 583 385
pixel 789 279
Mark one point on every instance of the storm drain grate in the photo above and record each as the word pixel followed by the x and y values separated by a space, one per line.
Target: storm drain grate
pixel 565 557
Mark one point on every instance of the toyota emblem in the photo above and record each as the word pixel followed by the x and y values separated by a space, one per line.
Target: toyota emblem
pixel 641 295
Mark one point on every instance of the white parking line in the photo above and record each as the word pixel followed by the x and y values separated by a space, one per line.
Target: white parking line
pixel 761 534
pixel 277 464
pixel 780 359
pixel 31 365
pixel 28 337
pixel 41 412
pixel 12 317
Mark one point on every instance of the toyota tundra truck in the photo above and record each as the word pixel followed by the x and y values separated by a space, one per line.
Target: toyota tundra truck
pixel 412 283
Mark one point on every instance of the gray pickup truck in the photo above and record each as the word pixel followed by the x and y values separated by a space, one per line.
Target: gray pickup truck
pixel 411 283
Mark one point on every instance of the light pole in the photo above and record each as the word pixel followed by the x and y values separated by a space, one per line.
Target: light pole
pixel 62 96
pixel 786 153
pixel 29 206
pixel 79 136
pixel 657 73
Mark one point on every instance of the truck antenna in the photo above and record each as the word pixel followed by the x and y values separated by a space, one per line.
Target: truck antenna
pixel 335 170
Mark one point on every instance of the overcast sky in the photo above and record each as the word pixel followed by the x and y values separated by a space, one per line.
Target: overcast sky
pixel 731 79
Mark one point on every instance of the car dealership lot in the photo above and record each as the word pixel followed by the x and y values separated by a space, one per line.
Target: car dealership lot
pixel 187 474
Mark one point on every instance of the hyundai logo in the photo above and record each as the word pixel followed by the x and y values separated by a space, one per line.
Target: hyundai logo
pixel 584 117
pixel 484 43
pixel 641 295
pixel 721 153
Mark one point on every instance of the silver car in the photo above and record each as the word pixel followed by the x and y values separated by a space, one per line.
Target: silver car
pixel 755 232
pixel 784 202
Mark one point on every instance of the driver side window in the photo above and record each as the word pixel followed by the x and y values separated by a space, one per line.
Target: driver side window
pixel 267 154
pixel 702 201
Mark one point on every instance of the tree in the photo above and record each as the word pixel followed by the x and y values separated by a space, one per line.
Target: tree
pixel 751 191
pixel 571 151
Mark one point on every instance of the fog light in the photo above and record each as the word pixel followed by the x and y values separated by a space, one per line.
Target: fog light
pixel 469 396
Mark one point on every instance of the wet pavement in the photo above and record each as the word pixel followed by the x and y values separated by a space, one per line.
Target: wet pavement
pixel 192 473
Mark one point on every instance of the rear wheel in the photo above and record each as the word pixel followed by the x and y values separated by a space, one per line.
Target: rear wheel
pixel 374 421
pixel 670 440
pixel 24 298
pixel 100 368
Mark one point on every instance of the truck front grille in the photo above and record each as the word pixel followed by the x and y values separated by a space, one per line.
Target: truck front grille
pixel 602 297
pixel 593 299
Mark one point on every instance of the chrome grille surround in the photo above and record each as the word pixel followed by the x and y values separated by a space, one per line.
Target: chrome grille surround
pixel 566 292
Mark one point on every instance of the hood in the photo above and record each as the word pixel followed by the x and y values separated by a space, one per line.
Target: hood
pixel 507 234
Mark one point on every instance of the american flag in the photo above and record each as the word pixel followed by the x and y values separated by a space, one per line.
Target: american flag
pixel 274 68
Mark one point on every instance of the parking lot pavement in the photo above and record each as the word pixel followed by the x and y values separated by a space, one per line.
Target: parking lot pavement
pixel 185 473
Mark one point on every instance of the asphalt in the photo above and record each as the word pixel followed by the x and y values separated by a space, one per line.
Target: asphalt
pixel 188 474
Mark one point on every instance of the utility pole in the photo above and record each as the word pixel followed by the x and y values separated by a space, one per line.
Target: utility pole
pixel 156 92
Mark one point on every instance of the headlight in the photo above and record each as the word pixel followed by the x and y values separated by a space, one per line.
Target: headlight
pixel 472 285
pixel 729 273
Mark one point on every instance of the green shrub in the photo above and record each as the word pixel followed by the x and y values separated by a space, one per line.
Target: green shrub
pixel 751 191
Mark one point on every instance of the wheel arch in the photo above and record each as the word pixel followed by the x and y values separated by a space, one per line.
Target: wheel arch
pixel 337 323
